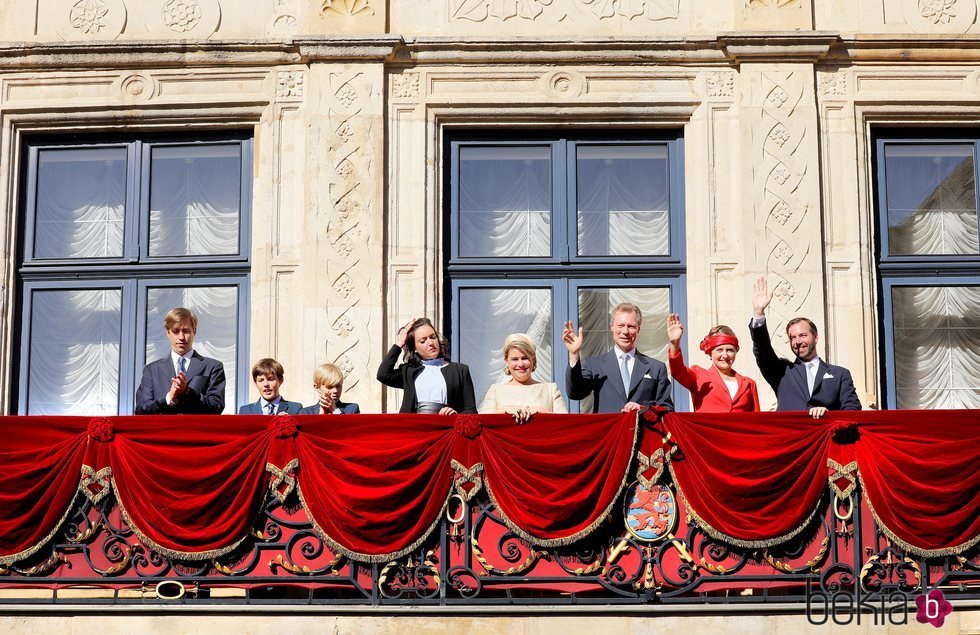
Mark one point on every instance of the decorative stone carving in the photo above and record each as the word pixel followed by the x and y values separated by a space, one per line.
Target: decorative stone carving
pixel 771 4
pixel 720 84
pixel 940 16
pixel 558 10
pixel 350 157
pixel 92 19
pixel 782 197
pixel 833 84
pixel 347 7
pixel 290 85
pixel 186 18
pixel 564 84
pixel 286 18
pixel 138 87
pixel 405 85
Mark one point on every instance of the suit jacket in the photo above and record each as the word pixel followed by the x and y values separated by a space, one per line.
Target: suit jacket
pixel 833 387
pixel 709 392
pixel 460 395
pixel 289 407
pixel 345 409
pixel 600 376
pixel 205 392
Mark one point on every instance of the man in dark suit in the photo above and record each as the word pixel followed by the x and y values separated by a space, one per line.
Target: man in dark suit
pixel 184 382
pixel 806 383
pixel 622 380
pixel 268 375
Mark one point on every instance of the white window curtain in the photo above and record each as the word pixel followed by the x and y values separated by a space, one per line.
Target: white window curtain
pixel 74 352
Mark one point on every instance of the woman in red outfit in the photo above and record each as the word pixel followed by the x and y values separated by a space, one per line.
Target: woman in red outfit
pixel 720 388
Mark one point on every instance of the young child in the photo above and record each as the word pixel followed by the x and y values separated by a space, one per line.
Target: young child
pixel 328 382
pixel 267 374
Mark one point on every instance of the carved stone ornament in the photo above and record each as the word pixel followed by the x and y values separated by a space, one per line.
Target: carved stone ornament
pixel 564 84
pixel 559 10
pixel 286 18
pixel 186 18
pixel 940 16
pixel 719 84
pixel 405 86
pixel 833 84
pixel 347 8
pixel 290 85
pixel 771 4
pixel 91 19
pixel 137 87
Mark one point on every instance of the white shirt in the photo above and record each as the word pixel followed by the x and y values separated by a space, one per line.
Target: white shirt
pixel 175 358
pixel 630 359
pixel 265 404
pixel 430 384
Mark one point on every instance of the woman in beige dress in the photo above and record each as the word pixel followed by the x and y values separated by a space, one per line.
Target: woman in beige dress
pixel 522 396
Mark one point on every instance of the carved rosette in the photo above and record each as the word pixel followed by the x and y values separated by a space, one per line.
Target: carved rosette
pixel 187 18
pixel 290 85
pixel 940 16
pixel 719 84
pixel 350 155
pixel 286 18
pixel 780 199
pixel 834 85
pixel 92 19
pixel 406 86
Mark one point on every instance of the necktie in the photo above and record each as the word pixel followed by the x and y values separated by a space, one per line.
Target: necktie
pixel 181 365
pixel 272 408
pixel 626 373
pixel 811 375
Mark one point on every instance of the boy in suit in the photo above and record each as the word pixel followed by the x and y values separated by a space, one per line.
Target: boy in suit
pixel 328 382
pixel 267 375
pixel 184 382
pixel 806 383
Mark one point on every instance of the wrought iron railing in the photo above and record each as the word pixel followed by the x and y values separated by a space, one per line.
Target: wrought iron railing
pixel 473 558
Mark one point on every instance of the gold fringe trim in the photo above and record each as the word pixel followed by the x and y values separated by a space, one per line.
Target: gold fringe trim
pixel 164 551
pixel 33 549
pixel 285 475
pixel 842 472
pixel 919 551
pixel 469 475
pixel 719 535
pixel 365 557
pixel 561 542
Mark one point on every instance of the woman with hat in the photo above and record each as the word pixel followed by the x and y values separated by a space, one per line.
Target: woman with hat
pixel 720 388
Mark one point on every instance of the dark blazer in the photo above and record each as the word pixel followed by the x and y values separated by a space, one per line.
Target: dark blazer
pixel 205 394
pixel 345 409
pixel 460 394
pixel 833 387
pixel 289 407
pixel 600 375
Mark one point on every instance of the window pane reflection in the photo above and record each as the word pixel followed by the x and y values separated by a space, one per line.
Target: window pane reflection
pixel 487 316
pixel 81 196
pixel 195 200
pixel 217 327
pixel 931 202
pixel 623 201
pixel 505 201
pixel 936 330
pixel 74 352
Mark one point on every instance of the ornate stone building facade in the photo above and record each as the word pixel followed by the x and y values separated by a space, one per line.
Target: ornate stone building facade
pixel 349 106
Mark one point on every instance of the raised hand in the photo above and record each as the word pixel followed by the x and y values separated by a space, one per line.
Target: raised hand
pixel 573 341
pixel 761 296
pixel 403 332
pixel 675 330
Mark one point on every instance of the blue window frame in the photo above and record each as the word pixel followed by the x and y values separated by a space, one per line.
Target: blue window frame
pixel 928 256
pixel 545 229
pixel 116 232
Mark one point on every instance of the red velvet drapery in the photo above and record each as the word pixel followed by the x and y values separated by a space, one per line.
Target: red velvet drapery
pixel 375 485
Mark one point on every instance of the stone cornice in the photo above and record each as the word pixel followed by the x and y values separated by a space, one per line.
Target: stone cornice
pixel 727 49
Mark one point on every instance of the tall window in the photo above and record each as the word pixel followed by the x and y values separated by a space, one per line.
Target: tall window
pixel 929 263
pixel 546 229
pixel 117 232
